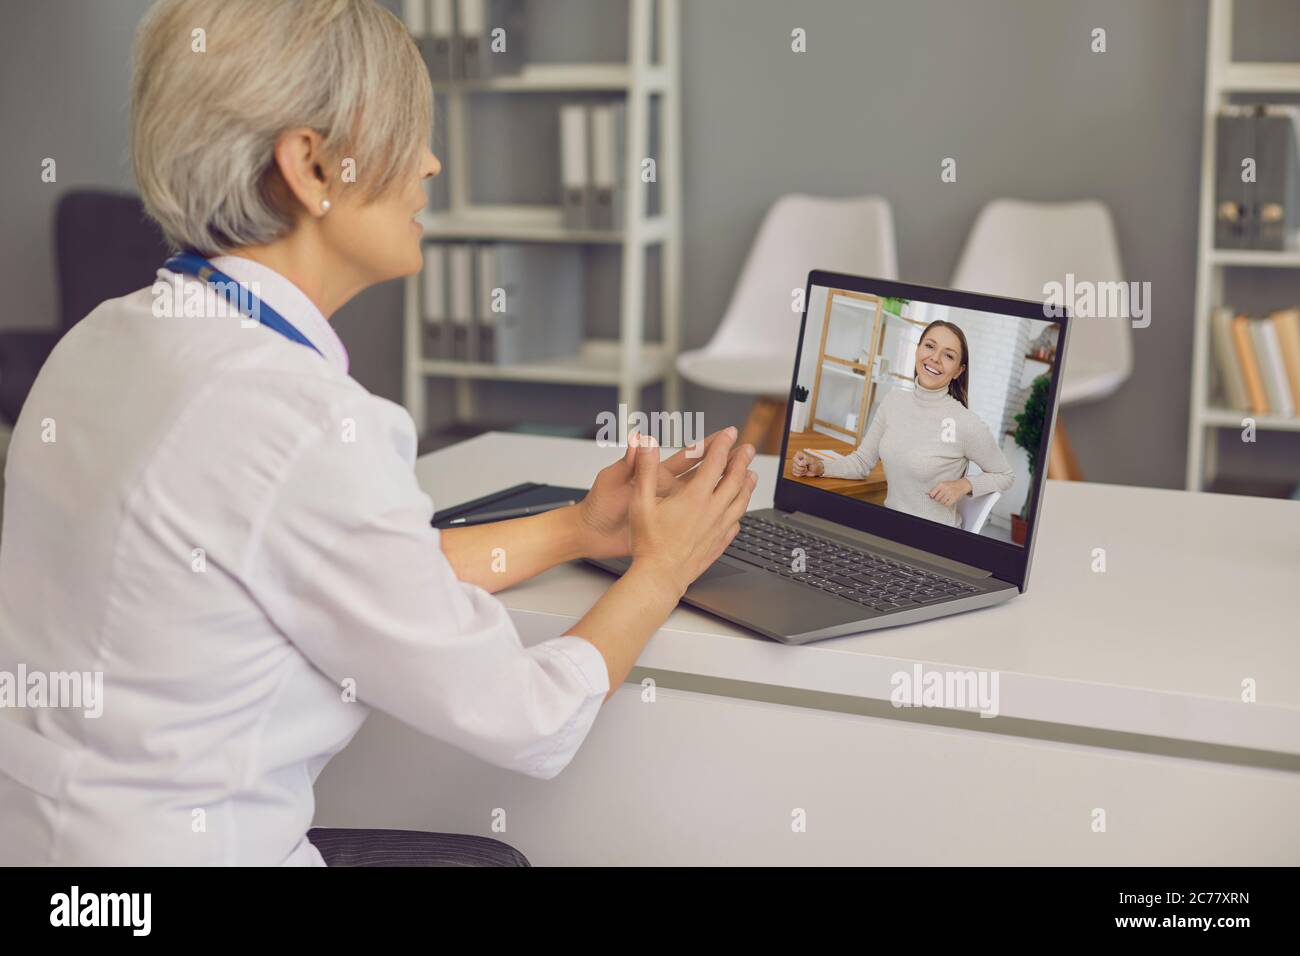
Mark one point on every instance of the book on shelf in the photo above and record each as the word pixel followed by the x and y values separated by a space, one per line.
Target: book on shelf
pixel 468 39
pixel 608 155
pixel 435 341
pixel 1276 217
pixel 414 15
pixel 442 52
pixel 491 36
pixel 1257 177
pixel 501 303
pixel 575 161
pixel 530 302
pixel 1258 361
pixel 1276 390
pixel 593 157
pixel 1230 376
pixel 460 301
pixel 1234 135
pixel 1287 324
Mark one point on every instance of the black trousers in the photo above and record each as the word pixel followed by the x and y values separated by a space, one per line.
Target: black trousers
pixel 344 847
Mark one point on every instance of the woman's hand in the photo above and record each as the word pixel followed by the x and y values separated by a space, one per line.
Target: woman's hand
pixel 682 514
pixel 602 516
pixel 948 493
pixel 676 537
pixel 803 464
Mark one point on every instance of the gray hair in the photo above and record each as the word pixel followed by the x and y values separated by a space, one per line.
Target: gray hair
pixel 207 108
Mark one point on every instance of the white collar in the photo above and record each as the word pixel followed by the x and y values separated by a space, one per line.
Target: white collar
pixel 290 301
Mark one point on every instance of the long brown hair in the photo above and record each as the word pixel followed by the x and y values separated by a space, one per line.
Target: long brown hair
pixel 959 387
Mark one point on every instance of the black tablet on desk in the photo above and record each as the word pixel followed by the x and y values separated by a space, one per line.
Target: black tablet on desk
pixel 516 502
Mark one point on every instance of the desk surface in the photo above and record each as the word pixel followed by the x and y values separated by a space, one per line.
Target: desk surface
pixel 872 488
pixel 1200 594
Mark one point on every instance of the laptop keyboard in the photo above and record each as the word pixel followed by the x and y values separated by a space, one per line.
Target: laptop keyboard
pixel 874 581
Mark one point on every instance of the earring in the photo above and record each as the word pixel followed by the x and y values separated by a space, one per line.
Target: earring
pixel 324 206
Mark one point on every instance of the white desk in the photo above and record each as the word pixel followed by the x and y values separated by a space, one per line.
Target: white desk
pixel 1119 691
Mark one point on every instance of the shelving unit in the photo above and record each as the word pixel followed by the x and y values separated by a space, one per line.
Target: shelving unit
pixel 597 364
pixel 628 363
pixel 843 365
pixel 1223 78
pixel 567 78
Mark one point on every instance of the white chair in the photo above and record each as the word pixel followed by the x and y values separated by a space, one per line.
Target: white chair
pixel 752 350
pixel 975 510
pixel 1015 248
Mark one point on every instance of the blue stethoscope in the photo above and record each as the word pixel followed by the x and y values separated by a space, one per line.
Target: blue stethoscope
pixel 191 263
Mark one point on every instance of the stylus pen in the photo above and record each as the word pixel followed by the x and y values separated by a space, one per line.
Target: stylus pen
pixel 510 513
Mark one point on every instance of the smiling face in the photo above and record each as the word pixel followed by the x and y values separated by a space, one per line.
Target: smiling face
pixel 939 357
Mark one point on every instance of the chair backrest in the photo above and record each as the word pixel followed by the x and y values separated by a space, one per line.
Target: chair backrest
pixel 1015 248
pixel 801 233
pixel 106 247
pixel 975 510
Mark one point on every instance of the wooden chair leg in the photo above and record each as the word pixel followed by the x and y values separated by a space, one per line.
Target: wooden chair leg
pixel 772 440
pixel 1062 463
pixel 758 426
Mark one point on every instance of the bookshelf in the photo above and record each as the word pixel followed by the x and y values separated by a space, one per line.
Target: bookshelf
pixel 598 363
pixel 1223 79
pixel 628 363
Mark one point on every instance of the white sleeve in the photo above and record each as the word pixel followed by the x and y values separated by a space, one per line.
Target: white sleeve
pixel 980 447
pixel 859 462
pixel 347 565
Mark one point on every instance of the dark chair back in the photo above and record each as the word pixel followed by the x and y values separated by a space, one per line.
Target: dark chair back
pixel 105 247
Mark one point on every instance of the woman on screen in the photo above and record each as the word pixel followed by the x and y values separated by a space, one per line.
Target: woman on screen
pixel 926 437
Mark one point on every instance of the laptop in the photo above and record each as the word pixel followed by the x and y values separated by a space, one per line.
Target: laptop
pixel 863 548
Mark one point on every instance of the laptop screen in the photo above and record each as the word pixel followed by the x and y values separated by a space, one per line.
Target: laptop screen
pixel 928 409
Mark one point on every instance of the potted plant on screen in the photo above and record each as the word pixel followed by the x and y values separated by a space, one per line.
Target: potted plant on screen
pixel 799 414
pixel 1029 435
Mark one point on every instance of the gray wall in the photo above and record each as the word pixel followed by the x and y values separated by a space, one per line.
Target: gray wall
pixel 886 90
pixel 64 75
pixel 65 93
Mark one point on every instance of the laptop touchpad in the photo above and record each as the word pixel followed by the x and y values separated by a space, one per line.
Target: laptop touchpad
pixel 718 570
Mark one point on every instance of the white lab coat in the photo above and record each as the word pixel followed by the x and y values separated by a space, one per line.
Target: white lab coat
pixel 228 527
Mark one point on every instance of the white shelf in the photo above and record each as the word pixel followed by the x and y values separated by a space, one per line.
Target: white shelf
pixel 564 78
pixel 599 363
pixel 1231 418
pixel 842 370
pixel 531 224
pixel 1262 258
pixel 1258 78
pixel 1224 77
pixel 627 363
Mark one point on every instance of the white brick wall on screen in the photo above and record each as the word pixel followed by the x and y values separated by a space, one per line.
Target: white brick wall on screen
pixel 997 354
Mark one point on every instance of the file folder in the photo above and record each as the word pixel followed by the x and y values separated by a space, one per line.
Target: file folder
pixel 574 166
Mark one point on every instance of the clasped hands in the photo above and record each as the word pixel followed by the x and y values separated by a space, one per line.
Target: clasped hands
pixel 603 516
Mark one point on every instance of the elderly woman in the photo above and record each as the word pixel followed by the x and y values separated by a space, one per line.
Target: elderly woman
pixel 202 506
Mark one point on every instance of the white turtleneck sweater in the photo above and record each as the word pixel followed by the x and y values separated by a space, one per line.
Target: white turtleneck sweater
pixel 924 437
